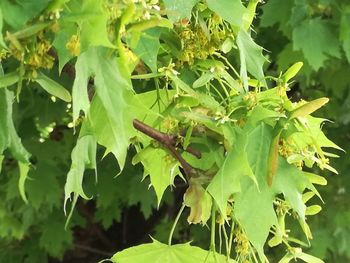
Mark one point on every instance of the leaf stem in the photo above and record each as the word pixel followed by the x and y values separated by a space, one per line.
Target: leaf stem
pixel 175 223
pixel 228 252
pixel 212 232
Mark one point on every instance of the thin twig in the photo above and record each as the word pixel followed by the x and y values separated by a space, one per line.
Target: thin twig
pixel 93 250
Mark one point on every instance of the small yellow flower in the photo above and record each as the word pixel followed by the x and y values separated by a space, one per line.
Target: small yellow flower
pixel 73 45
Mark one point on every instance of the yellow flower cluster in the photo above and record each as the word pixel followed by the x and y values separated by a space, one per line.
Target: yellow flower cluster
pixel 198 44
pixel 242 247
pixel 73 45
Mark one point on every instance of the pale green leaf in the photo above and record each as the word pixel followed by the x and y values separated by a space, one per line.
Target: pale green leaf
pixel 83 157
pixel 160 167
pixel 251 57
pixel 230 10
pixel 317 40
pixel 179 9
pixel 53 87
pixel 157 252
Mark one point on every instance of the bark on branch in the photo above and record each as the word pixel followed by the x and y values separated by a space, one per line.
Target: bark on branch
pixel 170 142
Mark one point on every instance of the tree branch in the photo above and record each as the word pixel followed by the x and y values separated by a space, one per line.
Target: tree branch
pixel 170 142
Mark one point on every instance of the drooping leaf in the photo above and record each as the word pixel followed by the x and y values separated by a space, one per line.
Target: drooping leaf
pixel 158 252
pixel 83 157
pixel 115 105
pixel 180 9
pixel 251 57
pixel 8 135
pixel 256 202
pixel 200 203
pixel 53 87
pixel 317 40
pixel 230 10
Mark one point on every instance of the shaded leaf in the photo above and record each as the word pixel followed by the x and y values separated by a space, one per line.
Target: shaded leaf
pixel 317 40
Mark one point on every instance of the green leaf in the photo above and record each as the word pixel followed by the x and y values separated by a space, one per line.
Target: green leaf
pixel 53 241
pixel 345 32
pixel 291 182
pixel 147 47
pixel 276 13
pixel 2 43
pixel 317 39
pixel 53 87
pixel 92 19
pixel 8 79
pixel 23 172
pixel 20 12
pixel 158 252
pixel 255 204
pixel 160 167
pixel 83 157
pixel 62 37
pixel 227 180
pixel 8 135
pixel 230 10
pixel 251 57
pixel 203 80
pixel 29 31
pixel 114 105
pixel 179 9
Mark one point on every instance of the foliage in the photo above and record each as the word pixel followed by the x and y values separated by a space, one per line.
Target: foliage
pixel 172 93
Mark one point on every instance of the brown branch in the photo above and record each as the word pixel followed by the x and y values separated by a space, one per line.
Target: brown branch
pixel 169 141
